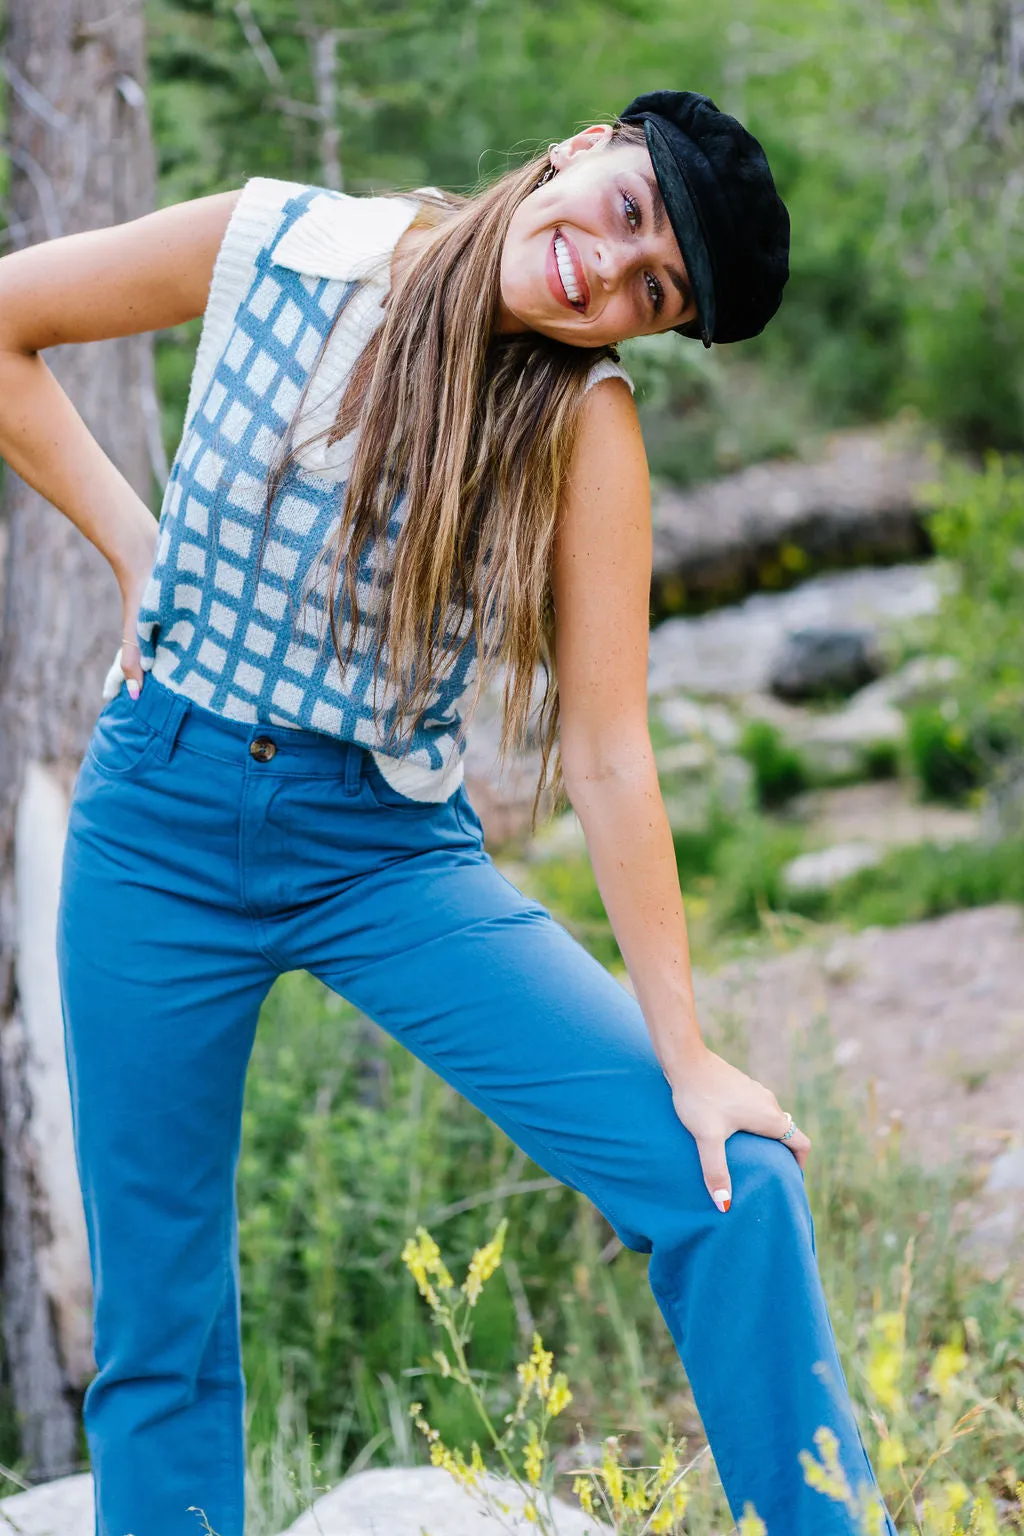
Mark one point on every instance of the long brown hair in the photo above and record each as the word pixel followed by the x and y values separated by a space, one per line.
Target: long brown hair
pixel 477 431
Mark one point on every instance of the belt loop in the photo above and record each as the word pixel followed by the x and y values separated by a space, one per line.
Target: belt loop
pixel 169 724
pixel 353 768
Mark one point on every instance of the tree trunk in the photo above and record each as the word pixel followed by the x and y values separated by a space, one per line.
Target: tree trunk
pixel 81 158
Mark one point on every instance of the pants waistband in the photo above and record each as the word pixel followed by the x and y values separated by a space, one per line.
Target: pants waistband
pixel 179 720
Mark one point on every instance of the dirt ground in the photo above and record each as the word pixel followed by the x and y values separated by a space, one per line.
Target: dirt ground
pixel 929 1018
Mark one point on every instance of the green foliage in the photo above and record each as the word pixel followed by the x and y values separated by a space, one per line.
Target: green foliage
pixel 904 279
pixel 697 849
pixel 978 521
pixel 964 365
pixel 346 1139
pixel 922 881
pixel 748 873
pixel 779 770
pixel 880 760
pixel 590 1301
pixel 941 754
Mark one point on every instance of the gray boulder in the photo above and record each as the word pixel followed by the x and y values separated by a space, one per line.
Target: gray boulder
pixel 817 663
pixel 826 867
pixel 426 1501
pixel 771 523
pixel 400 1501
pixel 63 1507
pixel 730 653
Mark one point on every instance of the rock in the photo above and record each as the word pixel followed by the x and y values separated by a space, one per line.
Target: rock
pixel 686 718
pixel 778 521
pixel 819 663
pixel 400 1501
pixel 1007 1172
pixel 695 664
pixel 729 654
pixel 922 680
pixel 684 757
pixel 881 812
pixel 836 745
pixel 63 1507
pixel 825 868
pixel 426 1501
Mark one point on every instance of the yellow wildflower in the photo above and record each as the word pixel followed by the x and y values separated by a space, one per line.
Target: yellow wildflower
pixel 611 1471
pixel 826 1476
pixel 636 1499
pixel 533 1456
pixel 422 1258
pixel 892 1453
pixel 886 1357
pixel 667 1467
pixel 414 1263
pixel 483 1263
pixel 680 1499
pixel 536 1371
pixel 542 1360
pixel 950 1360
pixel 583 1488
pixel 751 1524
pixel 559 1396
pixel 984 1519
pixel 530 1511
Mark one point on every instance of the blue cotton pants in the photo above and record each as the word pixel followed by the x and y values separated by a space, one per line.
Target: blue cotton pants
pixel 196 871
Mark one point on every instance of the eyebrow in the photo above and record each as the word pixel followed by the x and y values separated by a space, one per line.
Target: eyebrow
pixel 660 219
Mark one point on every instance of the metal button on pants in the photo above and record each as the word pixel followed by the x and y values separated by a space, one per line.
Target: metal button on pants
pixel 206 856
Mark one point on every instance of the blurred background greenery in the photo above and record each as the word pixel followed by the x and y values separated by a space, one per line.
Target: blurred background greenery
pixel 895 129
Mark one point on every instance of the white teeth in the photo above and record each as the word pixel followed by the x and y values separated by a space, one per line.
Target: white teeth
pixel 566 271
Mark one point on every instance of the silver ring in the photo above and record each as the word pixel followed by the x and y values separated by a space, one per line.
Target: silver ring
pixel 790 1130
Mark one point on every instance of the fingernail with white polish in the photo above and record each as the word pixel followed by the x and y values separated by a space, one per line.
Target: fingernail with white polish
pixel 133 687
pixel 722 1199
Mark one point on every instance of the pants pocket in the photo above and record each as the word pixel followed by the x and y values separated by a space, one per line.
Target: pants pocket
pixel 121 741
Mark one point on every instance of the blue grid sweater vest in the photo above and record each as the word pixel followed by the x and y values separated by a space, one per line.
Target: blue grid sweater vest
pixel 255 645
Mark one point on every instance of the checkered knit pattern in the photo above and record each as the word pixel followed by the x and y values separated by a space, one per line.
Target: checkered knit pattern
pixel 255 644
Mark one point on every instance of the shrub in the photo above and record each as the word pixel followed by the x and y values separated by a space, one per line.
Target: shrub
pixel 977 521
pixel 942 753
pixel 779 769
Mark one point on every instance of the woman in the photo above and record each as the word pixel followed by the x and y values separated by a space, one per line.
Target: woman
pixel 430 383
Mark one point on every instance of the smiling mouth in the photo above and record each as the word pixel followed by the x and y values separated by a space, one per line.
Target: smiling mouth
pixel 567 274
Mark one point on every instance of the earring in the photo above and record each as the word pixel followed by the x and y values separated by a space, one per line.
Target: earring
pixel 552 170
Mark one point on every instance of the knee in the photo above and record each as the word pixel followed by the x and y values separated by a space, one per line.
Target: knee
pixel 768 1191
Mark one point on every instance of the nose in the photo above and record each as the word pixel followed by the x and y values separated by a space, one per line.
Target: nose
pixel 611 261
pixel 616 260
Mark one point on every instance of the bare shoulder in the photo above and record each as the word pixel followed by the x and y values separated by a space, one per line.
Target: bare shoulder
pixel 609 462
pixel 147 274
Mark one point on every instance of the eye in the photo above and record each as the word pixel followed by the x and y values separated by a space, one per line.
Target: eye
pixel 632 208
pixel 655 292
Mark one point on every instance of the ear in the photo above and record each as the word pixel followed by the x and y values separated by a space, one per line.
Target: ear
pixel 596 135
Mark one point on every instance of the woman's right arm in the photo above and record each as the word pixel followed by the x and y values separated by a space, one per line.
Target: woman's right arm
pixel 147 275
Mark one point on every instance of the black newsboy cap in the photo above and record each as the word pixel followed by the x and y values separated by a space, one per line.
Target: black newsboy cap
pixel 731 225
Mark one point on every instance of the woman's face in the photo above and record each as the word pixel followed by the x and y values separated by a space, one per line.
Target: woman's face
pixel 590 257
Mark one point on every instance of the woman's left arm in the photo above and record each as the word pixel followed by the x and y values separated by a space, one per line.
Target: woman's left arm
pixel 600 582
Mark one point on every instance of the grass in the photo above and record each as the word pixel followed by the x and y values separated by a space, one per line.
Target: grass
pixel 340 1382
